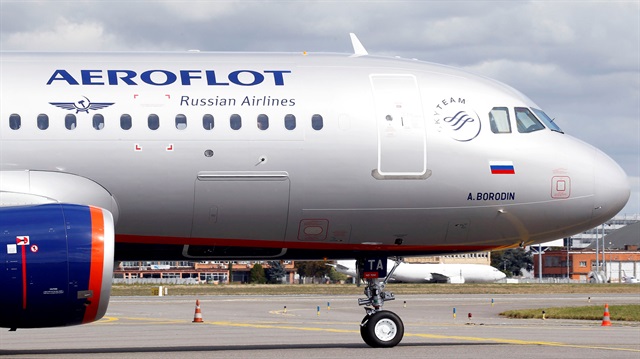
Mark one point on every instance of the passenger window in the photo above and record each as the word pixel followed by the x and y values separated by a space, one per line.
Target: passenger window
pixel 207 122
pixel 98 121
pixel 181 121
pixel 317 122
pixel 235 121
pixel 290 122
pixel 547 121
pixel 499 120
pixel 125 122
pixel 526 121
pixel 42 121
pixel 14 121
pixel 70 121
pixel 153 121
pixel 263 122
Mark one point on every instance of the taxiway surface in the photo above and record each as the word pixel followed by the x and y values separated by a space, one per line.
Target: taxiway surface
pixel 327 327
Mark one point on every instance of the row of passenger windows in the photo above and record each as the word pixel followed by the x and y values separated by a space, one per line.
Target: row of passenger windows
pixel 525 120
pixel 153 122
pixel 499 119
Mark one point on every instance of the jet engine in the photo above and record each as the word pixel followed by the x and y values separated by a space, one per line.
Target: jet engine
pixel 56 264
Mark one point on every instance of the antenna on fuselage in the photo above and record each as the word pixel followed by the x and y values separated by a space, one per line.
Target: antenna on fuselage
pixel 358 49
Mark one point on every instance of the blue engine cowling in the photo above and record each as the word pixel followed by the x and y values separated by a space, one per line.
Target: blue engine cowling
pixel 56 265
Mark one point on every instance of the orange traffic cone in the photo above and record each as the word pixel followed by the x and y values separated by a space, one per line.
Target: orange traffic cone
pixel 197 317
pixel 606 321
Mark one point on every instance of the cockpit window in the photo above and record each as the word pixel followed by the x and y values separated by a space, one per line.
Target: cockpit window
pixel 526 121
pixel 546 120
pixel 499 120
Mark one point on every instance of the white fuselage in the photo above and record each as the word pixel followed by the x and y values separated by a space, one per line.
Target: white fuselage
pixel 197 152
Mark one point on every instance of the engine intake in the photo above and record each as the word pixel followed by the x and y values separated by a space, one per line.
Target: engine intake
pixel 56 265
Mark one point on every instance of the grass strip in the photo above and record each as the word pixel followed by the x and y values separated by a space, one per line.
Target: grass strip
pixel 397 289
pixel 630 312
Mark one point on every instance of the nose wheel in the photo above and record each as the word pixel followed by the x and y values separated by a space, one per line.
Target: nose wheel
pixel 379 328
pixel 383 329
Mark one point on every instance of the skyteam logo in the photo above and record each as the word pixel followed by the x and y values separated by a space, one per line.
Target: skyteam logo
pixel 82 105
pixel 453 117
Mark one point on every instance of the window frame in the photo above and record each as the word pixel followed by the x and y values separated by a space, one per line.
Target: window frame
pixel 492 120
pixel 70 121
pixel 235 122
pixel 317 122
pixel 126 119
pixel 531 116
pixel 15 121
pixel 262 122
pixel 96 121
pixel 542 116
pixel 205 120
pixel 153 122
pixel 181 122
pixel 290 122
pixel 42 121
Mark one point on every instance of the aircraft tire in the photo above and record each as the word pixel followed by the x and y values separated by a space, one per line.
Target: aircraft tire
pixel 383 329
pixel 363 331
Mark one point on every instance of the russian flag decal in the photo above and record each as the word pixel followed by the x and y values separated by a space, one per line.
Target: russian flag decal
pixel 502 168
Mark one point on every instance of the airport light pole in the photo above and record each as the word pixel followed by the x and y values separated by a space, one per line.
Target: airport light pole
pixel 604 259
pixel 539 253
pixel 540 262
pixel 568 257
pixel 597 251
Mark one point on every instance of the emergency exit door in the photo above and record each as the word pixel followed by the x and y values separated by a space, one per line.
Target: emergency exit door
pixel 401 129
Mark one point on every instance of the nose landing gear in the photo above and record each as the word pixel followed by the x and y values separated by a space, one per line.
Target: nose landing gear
pixel 379 328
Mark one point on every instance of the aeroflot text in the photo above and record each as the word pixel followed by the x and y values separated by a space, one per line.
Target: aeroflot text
pixel 166 77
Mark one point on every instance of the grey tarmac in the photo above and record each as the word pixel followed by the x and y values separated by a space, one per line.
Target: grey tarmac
pixel 317 326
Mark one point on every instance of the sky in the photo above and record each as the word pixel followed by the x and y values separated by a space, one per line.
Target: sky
pixel 578 60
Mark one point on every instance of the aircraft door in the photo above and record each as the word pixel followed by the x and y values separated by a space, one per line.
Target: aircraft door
pixel 241 205
pixel 401 129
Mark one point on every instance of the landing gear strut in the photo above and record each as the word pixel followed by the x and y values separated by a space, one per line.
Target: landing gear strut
pixel 379 328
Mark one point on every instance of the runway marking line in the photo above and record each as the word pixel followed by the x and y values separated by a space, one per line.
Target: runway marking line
pixel 419 335
pixel 518 342
pixel 108 320
pixel 281 312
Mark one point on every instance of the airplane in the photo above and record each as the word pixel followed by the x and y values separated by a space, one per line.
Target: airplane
pixel 629 279
pixel 432 272
pixel 236 156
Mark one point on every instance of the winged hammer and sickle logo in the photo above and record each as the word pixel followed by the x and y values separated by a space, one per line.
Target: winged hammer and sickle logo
pixel 82 105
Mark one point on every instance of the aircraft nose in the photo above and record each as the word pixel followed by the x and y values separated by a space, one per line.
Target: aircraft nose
pixel 610 186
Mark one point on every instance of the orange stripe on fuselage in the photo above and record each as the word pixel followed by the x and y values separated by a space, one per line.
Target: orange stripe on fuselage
pixel 97 263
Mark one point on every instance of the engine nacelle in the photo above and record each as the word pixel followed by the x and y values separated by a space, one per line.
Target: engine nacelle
pixel 56 265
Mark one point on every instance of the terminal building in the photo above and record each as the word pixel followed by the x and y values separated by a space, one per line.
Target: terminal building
pixel 186 272
pixel 616 258
pixel 586 238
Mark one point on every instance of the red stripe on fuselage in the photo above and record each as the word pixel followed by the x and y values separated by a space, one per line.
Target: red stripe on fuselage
pixel 225 242
pixel 97 263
